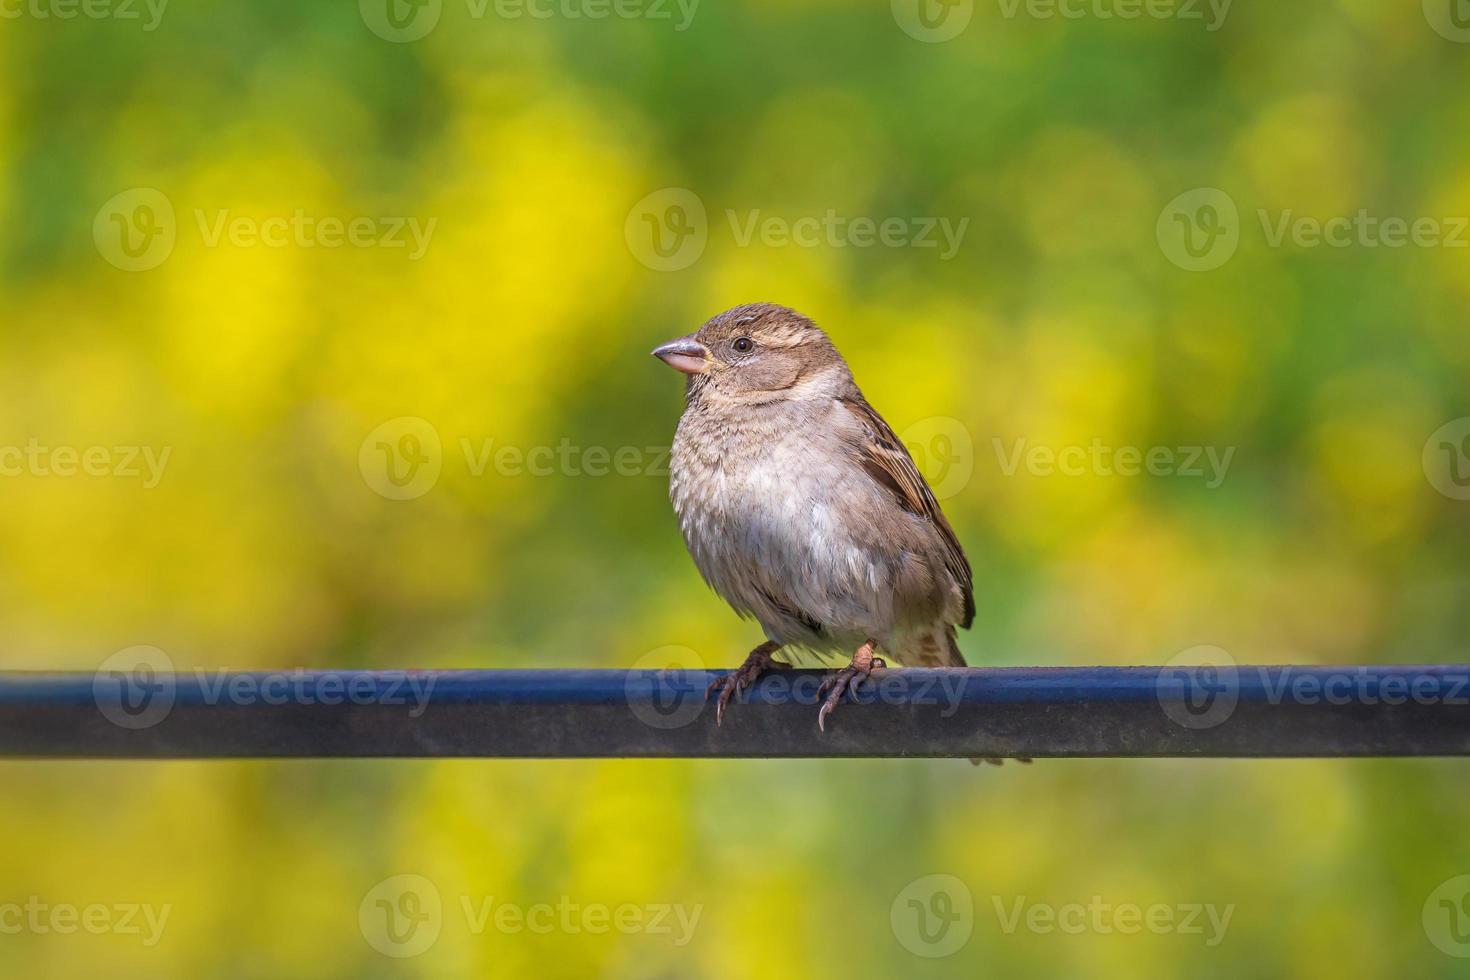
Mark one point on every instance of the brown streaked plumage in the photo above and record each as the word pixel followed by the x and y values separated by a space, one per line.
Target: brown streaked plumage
pixel 803 509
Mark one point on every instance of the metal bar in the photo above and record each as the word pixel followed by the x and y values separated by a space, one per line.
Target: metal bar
pixel 1218 712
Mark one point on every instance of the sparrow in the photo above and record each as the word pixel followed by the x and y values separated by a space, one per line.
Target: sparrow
pixel 803 510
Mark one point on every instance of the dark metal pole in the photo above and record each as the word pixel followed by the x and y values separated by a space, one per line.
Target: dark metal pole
pixel 1241 711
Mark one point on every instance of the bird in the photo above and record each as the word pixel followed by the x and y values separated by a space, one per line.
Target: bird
pixel 804 511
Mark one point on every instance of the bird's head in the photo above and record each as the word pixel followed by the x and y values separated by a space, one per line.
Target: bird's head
pixel 757 353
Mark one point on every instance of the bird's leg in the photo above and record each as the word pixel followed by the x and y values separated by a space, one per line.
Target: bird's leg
pixel 733 683
pixel 847 680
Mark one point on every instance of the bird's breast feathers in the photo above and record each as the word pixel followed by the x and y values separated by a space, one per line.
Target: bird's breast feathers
pixel 797 537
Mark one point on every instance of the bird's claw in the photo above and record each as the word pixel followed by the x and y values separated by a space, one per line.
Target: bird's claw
pixel 728 686
pixel 847 680
pixel 736 681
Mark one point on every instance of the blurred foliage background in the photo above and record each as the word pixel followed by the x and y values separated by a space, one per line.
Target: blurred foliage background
pixel 526 322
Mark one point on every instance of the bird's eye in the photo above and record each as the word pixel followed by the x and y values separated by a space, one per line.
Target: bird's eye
pixel 743 345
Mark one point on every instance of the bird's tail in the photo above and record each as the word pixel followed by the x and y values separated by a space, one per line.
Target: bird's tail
pixel 941 649
pixel 937 648
pixel 956 659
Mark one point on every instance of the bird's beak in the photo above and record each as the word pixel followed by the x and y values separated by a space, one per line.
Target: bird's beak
pixel 685 354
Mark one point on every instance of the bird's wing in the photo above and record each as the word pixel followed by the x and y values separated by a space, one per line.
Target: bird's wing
pixel 884 457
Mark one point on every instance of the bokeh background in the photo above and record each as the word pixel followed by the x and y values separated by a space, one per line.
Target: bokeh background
pixel 541 148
